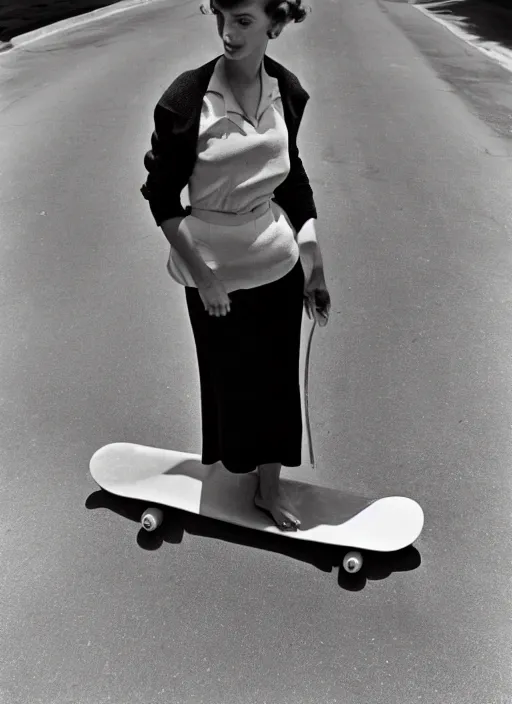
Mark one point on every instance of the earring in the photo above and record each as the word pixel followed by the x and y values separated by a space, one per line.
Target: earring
pixel 271 34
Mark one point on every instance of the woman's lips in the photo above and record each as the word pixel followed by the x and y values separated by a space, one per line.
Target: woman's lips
pixel 231 48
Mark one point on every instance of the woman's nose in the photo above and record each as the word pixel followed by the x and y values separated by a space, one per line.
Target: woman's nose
pixel 227 31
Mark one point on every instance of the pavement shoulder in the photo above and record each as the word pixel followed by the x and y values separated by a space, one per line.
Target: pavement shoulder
pixel 71 22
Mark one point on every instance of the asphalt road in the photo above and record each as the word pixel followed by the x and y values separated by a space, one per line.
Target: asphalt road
pixel 410 385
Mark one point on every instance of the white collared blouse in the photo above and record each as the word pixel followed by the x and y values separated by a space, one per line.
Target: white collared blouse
pixel 239 163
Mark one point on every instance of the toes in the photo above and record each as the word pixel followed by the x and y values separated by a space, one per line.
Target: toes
pixel 287 527
pixel 288 523
pixel 284 520
pixel 282 517
pixel 290 518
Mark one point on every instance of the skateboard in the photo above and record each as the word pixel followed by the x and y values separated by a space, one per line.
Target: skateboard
pixel 330 516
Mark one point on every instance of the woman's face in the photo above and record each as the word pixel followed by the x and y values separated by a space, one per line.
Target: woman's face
pixel 243 29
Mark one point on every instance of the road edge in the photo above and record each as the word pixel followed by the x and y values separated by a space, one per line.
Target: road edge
pixel 71 22
pixel 493 50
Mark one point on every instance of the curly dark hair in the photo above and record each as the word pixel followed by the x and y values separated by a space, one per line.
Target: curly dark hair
pixel 278 10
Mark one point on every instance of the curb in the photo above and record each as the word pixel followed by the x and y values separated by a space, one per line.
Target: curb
pixel 70 22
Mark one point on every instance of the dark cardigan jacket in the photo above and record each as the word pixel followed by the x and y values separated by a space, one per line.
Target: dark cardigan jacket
pixel 170 161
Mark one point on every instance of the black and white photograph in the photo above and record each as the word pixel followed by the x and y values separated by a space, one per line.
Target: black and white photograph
pixel 256 351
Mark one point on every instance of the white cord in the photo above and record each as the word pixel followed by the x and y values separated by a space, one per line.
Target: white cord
pixel 306 395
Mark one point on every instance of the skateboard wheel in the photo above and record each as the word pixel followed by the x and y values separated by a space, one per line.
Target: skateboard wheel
pixel 152 518
pixel 353 562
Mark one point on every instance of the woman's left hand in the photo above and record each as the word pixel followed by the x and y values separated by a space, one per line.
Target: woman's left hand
pixel 317 301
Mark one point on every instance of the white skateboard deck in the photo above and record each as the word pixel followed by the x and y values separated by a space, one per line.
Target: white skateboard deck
pixel 329 516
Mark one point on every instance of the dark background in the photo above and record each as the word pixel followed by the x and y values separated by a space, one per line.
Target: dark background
pixel 20 16
pixel 484 17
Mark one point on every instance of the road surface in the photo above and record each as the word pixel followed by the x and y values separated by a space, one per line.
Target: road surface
pixel 410 384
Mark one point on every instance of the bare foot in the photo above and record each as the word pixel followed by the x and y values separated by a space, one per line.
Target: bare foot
pixel 279 508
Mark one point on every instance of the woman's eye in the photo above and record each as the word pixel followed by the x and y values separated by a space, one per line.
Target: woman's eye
pixel 244 23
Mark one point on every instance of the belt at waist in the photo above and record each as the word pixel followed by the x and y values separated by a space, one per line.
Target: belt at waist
pixel 221 218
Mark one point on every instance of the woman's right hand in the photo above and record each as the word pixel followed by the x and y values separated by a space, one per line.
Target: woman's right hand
pixel 214 296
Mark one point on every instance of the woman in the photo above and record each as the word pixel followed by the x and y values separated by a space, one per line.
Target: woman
pixel 228 130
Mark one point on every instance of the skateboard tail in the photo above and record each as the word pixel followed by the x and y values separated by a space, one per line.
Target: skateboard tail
pixel 385 525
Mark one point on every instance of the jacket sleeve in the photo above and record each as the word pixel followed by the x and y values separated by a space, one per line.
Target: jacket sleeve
pixel 295 194
pixel 164 163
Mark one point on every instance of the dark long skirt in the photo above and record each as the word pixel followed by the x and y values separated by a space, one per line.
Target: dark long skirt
pixel 249 375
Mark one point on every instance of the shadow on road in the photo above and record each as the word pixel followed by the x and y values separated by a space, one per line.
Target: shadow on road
pixel 489 21
pixel 21 16
pixel 376 566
